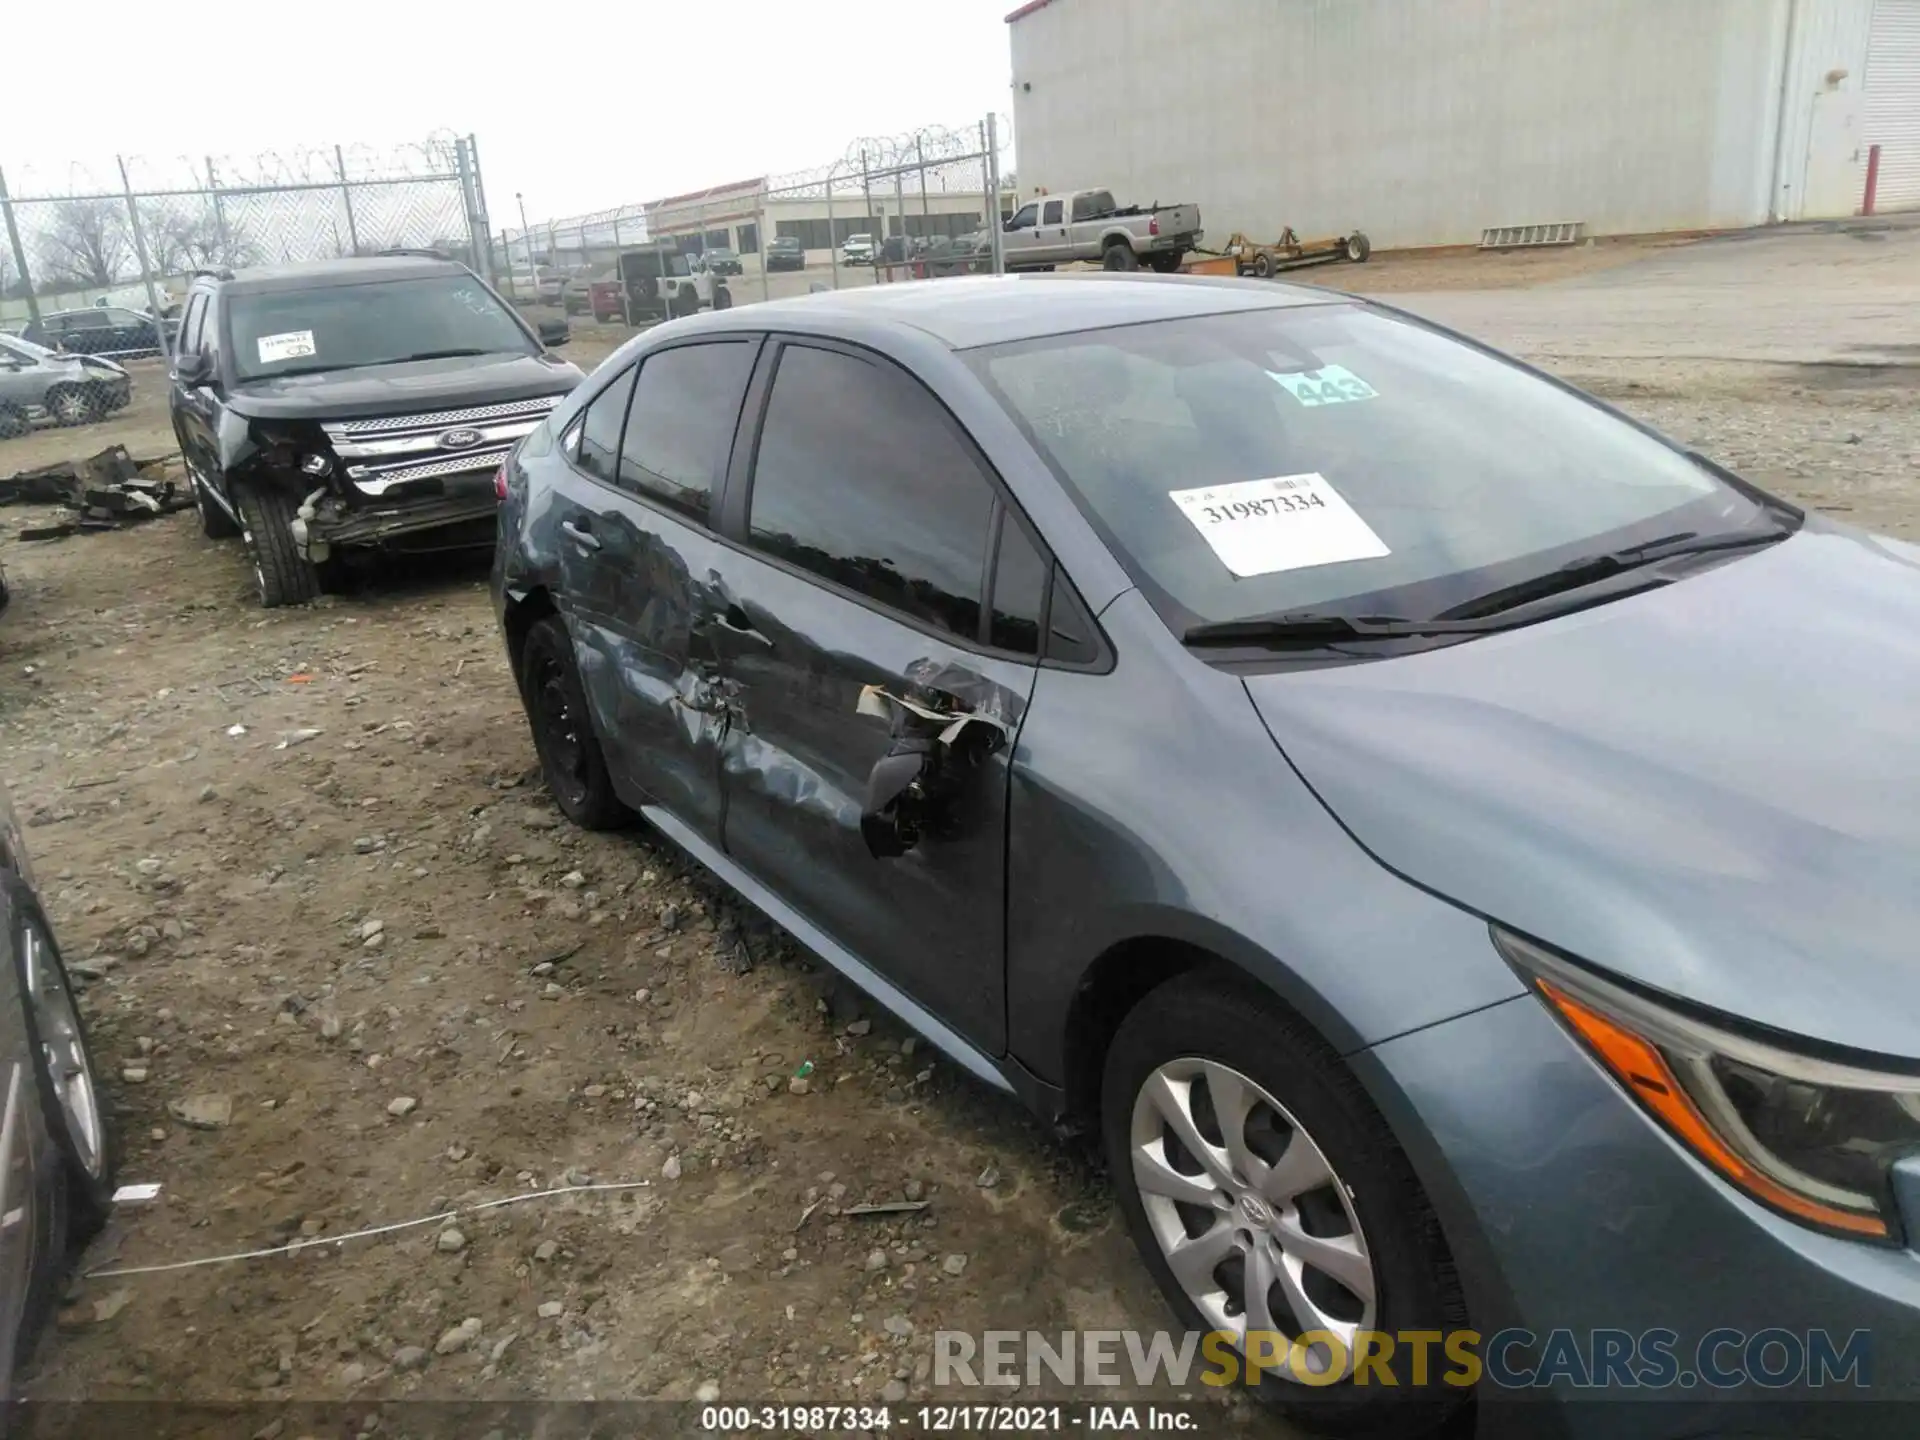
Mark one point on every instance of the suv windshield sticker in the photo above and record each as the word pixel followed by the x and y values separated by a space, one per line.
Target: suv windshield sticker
pixel 1290 522
pixel 1329 385
pixel 290 345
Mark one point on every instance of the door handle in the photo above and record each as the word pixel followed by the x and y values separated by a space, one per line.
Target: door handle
pixel 579 535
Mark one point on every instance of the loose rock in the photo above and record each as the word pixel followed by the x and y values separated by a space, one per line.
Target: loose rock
pixel 401 1106
pixel 459 1337
pixel 451 1242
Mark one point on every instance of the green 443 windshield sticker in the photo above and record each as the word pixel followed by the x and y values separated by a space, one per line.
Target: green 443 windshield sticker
pixel 1329 385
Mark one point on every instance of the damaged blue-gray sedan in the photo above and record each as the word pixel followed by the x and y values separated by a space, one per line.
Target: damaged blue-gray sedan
pixel 1457 850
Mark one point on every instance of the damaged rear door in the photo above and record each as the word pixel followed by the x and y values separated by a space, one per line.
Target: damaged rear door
pixel 875 692
pixel 631 511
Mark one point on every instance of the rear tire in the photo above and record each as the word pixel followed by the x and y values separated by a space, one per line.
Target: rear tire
pixel 1358 248
pixel 215 523
pixel 1253 1082
pixel 281 576
pixel 562 725
pixel 1119 257
pixel 64 1074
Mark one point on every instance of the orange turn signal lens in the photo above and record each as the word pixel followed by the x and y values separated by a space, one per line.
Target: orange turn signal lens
pixel 1651 1081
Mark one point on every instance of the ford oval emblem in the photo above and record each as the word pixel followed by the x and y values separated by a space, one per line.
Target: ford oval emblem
pixel 458 439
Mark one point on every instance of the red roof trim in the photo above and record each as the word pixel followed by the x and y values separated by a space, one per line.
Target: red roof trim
pixel 709 192
pixel 1028 9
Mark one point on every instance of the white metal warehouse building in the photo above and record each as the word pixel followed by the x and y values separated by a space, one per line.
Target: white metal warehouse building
pixel 1431 122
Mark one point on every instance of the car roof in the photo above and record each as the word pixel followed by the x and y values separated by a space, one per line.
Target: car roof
pixel 326 274
pixel 966 311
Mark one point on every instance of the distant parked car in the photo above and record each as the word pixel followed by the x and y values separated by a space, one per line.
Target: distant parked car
pixel 723 262
pixel 857 251
pixel 41 386
pixel 606 302
pixel 785 252
pixel 57 1172
pixel 98 330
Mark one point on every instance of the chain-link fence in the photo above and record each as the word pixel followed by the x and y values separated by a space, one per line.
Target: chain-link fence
pixel 924 204
pixel 98 258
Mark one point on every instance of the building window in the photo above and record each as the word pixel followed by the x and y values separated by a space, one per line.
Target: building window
pixel 749 242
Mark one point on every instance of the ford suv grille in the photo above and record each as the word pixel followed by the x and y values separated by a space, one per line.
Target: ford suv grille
pixel 392 450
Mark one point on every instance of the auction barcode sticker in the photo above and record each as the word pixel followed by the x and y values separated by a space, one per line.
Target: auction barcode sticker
pixel 293 345
pixel 1288 522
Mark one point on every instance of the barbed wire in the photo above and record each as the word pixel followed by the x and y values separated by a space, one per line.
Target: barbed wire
pixel 433 158
pixel 933 157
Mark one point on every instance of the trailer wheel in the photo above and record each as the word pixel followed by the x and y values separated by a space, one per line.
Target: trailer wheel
pixel 1263 265
pixel 1358 248
pixel 1120 256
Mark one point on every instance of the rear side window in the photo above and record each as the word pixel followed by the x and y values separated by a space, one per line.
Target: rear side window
pixel 681 425
pixel 861 480
pixel 1019 591
pixel 600 432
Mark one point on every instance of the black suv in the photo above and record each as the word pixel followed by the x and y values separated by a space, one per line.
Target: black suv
pixel 346 407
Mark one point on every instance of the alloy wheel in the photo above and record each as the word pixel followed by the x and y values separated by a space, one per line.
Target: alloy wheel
pixel 58 1025
pixel 1257 1228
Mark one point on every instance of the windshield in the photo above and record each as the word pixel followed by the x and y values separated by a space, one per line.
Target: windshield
pixel 859 240
pixel 343 327
pixel 720 255
pixel 1328 458
pixel 25 349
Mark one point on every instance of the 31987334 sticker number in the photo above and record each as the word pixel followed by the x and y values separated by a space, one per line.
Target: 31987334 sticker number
pixel 1282 522
pixel 1228 510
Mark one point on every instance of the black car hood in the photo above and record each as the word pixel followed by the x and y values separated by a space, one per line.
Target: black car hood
pixel 1712 789
pixel 459 381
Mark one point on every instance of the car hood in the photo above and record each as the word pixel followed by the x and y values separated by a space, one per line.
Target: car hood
pixel 1712 789
pixel 463 381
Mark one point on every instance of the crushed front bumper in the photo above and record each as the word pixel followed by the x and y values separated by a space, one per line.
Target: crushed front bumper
pixel 460 518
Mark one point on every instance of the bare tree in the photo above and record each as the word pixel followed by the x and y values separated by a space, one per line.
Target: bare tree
pixel 87 243
pixel 193 239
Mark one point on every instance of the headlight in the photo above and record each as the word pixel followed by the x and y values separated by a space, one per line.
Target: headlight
pixel 1811 1138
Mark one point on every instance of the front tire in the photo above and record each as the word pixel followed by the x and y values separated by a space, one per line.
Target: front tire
pixel 1268 1198
pixel 71 405
pixel 281 575
pixel 563 737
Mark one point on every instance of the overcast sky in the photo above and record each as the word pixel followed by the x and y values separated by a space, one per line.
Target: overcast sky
pixel 580 106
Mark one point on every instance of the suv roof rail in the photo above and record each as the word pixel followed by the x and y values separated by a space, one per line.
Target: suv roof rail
pixel 421 251
pixel 214 272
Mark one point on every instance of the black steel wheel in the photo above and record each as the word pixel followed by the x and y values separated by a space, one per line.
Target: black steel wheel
pixel 1263 265
pixel 570 755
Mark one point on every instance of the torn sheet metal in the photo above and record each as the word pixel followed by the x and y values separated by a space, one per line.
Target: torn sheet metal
pixel 947 725
pixel 107 490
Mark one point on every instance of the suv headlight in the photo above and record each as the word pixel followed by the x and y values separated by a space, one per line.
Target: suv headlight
pixel 1811 1138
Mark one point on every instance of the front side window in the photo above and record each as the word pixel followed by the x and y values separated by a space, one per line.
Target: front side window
pixel 379 322
pixel 680 427
pixel 861 480
pixel 1025 217
pixel 1329 458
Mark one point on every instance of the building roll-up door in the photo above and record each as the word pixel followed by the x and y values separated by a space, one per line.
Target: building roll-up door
pixel 1893 102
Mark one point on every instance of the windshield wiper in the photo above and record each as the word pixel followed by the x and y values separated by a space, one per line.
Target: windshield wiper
pixel 436 355
pixel 1310 628
pixel 1589 569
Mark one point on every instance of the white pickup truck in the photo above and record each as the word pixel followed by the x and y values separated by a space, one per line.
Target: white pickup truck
pixel 1087 225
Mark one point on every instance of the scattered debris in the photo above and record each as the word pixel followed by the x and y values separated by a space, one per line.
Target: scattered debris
pixel 401 1106
pixel 889 1207
pixel 309 1242
pixel 108 490
pixel 203 1112
pixel 137 1194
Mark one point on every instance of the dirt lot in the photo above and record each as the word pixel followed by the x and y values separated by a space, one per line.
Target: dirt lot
pixel 359 922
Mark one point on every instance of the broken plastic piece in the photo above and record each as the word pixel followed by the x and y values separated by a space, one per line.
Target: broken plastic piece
pixel 234 732
pixel 138 1194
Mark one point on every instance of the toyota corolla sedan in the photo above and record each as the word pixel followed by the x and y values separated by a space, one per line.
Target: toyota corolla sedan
pixel 1457 850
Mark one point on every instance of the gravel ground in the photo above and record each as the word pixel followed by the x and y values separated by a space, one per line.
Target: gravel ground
pixel 346 967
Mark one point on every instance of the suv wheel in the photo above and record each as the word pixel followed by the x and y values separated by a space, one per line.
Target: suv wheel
pixel 1270 1201
pixel 215 523
pixel 570 755
pixel 266 524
